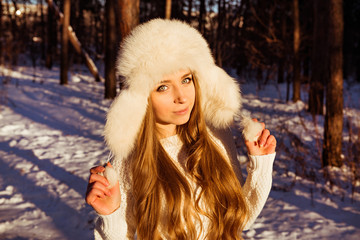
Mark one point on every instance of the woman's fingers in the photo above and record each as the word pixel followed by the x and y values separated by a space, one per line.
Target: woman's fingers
pixel 97 169
pixel 96 190
pixel 93 195
pixel 97 185
pixel 101 187
pixel 271 141
pixel 98 178
pixel 98 195
pixel 263 137
pixel 265 143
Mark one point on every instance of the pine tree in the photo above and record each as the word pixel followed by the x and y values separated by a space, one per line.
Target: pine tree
pixel 334 89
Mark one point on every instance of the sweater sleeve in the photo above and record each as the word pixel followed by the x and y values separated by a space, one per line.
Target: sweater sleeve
pixel 258 185
pixel 111 226
pixel 120 224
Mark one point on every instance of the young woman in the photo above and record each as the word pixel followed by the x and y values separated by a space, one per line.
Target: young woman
pixel 174 155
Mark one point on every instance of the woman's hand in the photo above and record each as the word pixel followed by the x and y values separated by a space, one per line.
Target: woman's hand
pixel 103 200
pixel 265 144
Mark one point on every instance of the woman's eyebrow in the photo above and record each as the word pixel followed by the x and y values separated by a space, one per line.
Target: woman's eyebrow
pixel 187 74
pixel 165 81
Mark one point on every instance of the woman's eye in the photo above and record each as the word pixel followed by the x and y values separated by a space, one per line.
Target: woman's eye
pixel 186 80
pixel 161 88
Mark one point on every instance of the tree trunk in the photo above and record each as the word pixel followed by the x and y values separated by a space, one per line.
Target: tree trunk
pixel 75 42
pixel 128 17
pixel 296 47
pixel 334 89
pixel 189 11
pixel 1 33
pixel 202 17
pixel 14 44
pixel 219 35
pixel 43 34
pixel 319 73
pixel 281 68
pixel 98 29
pixel 51 27
pixel 23 27
pixel 110 46
pixel 168 9
pixel 65 44
pixel 288 80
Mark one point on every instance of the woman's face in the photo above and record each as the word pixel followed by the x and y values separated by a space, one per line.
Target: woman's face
pixel 172 101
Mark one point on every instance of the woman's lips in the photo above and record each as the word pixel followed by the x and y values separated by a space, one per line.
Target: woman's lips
pixel 181 112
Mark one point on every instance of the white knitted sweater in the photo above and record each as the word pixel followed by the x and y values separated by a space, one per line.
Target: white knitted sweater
pixel 121 225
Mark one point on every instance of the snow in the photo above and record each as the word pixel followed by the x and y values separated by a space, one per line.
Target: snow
pixel 51 135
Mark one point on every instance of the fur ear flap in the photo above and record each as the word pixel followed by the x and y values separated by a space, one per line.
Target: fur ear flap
pixel 221 98
pixel 124 119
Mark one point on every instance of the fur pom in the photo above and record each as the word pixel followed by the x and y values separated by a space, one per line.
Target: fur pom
pixel 111 176
pixel 251 129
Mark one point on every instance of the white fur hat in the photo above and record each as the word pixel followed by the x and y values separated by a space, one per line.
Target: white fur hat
pixel 152 50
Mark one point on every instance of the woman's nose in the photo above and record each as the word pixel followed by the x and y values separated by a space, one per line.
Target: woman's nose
pixel 179 95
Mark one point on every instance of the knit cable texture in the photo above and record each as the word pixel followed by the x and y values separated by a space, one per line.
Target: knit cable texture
pixel 121 225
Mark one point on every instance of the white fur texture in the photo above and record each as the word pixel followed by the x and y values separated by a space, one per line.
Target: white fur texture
pixel 111 176
pixel 124 119
pixel 152 50
pixel 251 129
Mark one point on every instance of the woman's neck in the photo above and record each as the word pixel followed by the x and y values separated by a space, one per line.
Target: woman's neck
pixel 165 131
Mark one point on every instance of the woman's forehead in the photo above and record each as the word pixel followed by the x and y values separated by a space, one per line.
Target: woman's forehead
pixel 178 74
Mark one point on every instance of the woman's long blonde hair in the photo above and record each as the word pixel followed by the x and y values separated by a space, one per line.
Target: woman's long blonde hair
pixel 157 180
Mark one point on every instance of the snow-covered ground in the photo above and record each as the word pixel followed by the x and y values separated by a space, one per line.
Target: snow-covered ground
pixel 50 136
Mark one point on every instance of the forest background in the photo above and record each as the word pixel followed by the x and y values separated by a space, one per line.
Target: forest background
pixel 302 43
pixel 310 46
